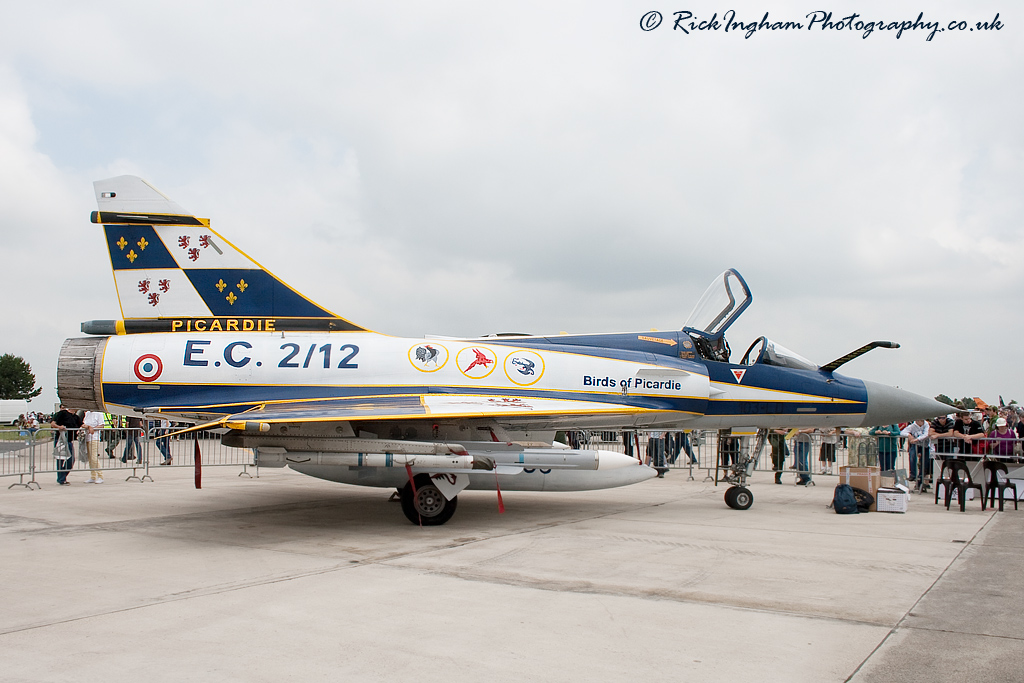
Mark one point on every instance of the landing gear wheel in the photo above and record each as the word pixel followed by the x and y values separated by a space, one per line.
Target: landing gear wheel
pixel 428 506
pixel 739 497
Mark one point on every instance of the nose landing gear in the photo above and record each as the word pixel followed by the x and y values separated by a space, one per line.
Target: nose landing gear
pixel 739 497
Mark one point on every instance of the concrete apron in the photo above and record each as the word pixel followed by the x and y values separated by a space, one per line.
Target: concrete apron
pixel 286 577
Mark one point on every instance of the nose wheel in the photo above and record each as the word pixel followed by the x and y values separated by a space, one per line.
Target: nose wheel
pixel 739 497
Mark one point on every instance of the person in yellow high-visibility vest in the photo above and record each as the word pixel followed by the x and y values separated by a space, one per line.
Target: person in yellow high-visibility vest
pixel 111 432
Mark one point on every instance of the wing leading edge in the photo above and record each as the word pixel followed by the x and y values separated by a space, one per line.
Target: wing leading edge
pixel 510 409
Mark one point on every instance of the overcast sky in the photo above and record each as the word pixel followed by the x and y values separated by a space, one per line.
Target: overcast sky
pixel 462 168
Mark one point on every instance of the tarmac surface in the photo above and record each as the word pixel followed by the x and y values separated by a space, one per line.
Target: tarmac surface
pixel 285 577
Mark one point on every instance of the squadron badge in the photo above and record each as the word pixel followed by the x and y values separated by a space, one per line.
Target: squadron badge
pixel 524 367
pixel 428 357
pixel 476 362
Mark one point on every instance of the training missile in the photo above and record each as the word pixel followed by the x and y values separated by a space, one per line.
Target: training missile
pixel 475 459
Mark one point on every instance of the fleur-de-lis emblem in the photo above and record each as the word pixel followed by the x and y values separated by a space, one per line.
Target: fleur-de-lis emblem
pixel 231 298
pixel 132 256
pixel 221 285
pixel 242 284
pixel 122 243
pixel 143 244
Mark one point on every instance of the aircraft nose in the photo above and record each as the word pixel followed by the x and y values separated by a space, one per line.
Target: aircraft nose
pixel 889 405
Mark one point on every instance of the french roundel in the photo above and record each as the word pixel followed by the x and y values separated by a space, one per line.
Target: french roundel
pixel 148 367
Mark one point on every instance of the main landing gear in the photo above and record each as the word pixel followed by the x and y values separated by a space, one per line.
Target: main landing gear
pixel 428 506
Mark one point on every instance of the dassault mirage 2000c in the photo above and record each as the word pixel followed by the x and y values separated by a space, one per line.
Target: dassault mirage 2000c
pixel 209 336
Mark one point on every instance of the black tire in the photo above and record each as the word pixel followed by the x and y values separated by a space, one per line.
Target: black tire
pixel 428 507
pixel 743 498
pixel 730 496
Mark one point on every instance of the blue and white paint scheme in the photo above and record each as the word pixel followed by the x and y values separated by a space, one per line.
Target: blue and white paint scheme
pixel 208 335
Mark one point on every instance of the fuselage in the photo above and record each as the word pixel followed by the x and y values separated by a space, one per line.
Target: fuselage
pixel 657 378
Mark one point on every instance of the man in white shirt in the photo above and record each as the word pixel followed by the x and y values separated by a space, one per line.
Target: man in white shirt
pixel 93 429
pixel 920 447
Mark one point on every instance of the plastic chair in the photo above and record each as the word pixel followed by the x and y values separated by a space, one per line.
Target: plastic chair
pixel 993 484
pixel 945 477
pixel 962 481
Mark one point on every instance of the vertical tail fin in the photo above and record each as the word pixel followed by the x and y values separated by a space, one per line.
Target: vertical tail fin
pixel 170 266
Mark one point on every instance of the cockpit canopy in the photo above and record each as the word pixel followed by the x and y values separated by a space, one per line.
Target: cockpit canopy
pixel 722 303
pixel 764 350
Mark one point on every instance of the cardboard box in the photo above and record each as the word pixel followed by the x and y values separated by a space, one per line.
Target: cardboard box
pixel 889 482
pixel 891 500
pixel 863 478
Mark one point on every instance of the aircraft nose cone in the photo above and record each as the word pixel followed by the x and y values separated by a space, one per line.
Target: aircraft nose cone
pixel 889 405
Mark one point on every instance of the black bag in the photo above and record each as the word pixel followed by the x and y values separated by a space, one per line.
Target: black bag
pixel 844 502
pixel 864 499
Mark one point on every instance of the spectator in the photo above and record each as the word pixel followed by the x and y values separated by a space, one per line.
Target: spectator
pixel 860 453
pixel 32 425
pixel 918 433
pixel 940 431
pixel 827 452
pixel 1002 438
pixel 65 424
pixel 112 424
pixel 780 451
pixel 687 448
pixel 131 442
pixel 888 446
pixel 627 445
pixel 93 430
pixel 969 432
pixel 656 452
pixel 728 448
pixel 672 448
pixel 164 426
pixel 64 420
pixel 802 453
pixel 991 414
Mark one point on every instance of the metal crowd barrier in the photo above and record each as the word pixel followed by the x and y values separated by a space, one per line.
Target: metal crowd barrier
pixel 17 455
pixel 711 451
pixel 134 452
pixel 25 455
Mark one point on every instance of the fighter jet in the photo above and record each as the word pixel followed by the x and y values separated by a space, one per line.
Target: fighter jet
pixel 209 336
